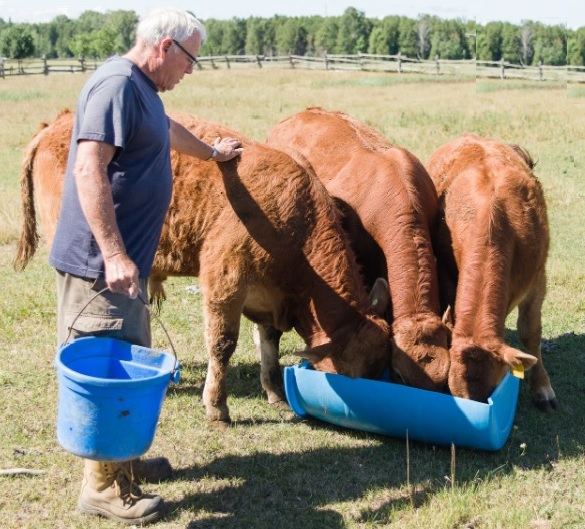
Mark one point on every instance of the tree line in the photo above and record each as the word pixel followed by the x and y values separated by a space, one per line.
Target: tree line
pixel 100 35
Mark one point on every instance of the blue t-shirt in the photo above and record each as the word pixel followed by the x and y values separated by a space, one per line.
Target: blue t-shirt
pixel 120 106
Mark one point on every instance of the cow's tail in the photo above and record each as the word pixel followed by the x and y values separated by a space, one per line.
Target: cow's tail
pixel 29 236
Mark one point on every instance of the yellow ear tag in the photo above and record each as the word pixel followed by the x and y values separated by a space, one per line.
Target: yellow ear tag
pixel 518 371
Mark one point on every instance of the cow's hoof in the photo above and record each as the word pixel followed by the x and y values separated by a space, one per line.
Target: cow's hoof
pixel 280 405
pixel 547 405
pixel 284 411
pixel 220 425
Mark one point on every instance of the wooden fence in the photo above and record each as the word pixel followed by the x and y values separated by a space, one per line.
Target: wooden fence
pixel 361 62
pixel 44 66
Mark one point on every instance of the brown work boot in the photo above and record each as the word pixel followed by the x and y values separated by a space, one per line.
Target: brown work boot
pixel 151 470
pixel 107 490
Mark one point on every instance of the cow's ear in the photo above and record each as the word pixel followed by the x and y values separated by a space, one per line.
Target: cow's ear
pixel 514 357
pixel 380 297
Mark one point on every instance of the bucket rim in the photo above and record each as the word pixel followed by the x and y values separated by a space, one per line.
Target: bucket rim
pixel 162 375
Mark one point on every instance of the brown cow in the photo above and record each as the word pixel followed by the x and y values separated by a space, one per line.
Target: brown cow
pixel 264 238
pixel 390 206
pixel 492 256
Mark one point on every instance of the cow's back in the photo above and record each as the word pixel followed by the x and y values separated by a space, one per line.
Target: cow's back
pixel 264 213
pixel 491 199
pixel 390 207
pixel 385 185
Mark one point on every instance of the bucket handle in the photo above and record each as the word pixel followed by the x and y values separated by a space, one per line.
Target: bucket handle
pixel 174 372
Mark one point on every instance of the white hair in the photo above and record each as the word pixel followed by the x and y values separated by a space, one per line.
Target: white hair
pixel 169 22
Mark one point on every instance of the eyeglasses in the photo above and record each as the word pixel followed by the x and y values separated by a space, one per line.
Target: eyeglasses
pixel 193 59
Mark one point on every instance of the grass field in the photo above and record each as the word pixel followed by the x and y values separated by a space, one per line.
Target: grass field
pixel 270 470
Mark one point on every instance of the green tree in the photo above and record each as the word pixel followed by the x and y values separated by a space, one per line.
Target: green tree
pixel 215 35
pixel 255 31
pixel 471 36
pixel 311 25
pixel 489 42
pixel 407 40
pixel 123 25
pixel 104 42
pixel 576 47
pixel 384 37
pixel 17 42
pixel 326 36
pixel 234 37
pixel 291 37
pixel 511 44
pixel 64 30
pixel 354 32
pixel 90 21
pixel 449 40
pixel 82 45
pixel 550 45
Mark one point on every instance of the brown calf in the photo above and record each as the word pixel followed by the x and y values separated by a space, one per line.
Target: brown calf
pixel 264 238
pixel 493 247
pixel 390 207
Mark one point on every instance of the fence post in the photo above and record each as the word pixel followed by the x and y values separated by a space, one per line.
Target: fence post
pixel 45 65
pixel 82 63
pixel 540 72
pixel 326 62
pixel 502 69
pixel 292 61
pixel 227 61
pixel 259 61
pixel 437 65
pixel 2 68
pixel 399 61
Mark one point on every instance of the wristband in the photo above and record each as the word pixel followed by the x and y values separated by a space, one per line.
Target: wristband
pixel 213 154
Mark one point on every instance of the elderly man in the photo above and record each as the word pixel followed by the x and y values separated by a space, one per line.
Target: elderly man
pixel 117 191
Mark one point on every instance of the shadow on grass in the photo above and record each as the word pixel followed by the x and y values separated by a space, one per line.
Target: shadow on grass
pixel 290 489
pixel 293 489
pixel 561 434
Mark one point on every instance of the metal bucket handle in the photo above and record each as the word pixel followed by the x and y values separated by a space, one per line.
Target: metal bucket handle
pixel 174 372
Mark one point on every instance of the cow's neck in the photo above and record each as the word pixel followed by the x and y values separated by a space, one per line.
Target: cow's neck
pixel 481 303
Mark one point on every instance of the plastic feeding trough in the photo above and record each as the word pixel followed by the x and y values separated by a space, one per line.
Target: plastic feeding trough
pixel 386 408
pixel 110 396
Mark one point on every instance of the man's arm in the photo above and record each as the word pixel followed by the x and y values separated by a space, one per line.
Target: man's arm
pixel 182 140
pixel 95 197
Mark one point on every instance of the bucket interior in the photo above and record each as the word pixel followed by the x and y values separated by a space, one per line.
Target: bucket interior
pixel 112 368
pixel 111 359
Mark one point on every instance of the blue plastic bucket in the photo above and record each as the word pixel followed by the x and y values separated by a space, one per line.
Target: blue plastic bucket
pixel 110 396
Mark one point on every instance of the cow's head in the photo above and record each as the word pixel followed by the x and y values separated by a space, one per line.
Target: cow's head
pixel 362 351
pixel 476 369
pixel 420 352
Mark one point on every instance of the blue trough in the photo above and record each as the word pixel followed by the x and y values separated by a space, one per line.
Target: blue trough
pixel 395 410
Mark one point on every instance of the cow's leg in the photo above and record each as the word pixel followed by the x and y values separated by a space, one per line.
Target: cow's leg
pixel 222 327
pixel 530 332
pixel 267 340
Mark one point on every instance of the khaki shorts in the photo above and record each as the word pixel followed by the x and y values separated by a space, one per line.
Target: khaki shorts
pixel 81 311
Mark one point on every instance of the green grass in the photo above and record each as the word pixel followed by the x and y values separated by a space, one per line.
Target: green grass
pixel 576 91
pixel 270 470
pixel 499 86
